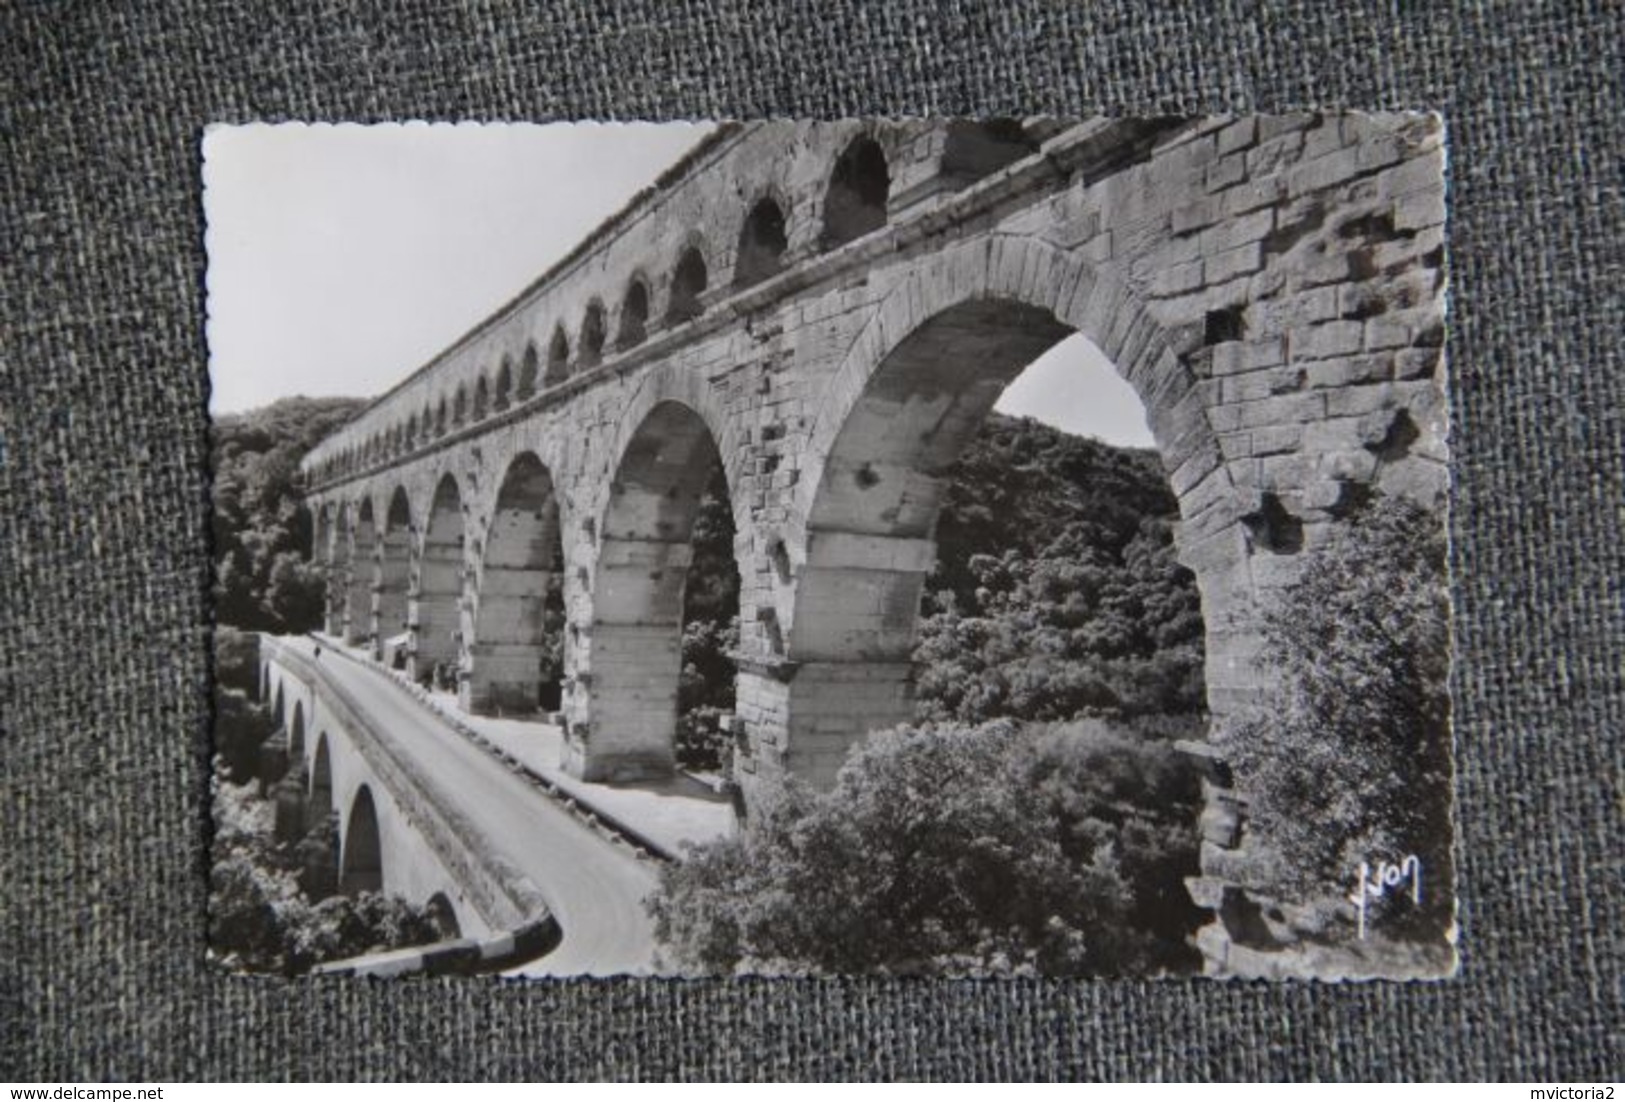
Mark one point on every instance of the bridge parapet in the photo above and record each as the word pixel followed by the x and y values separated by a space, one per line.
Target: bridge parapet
pixel 502 896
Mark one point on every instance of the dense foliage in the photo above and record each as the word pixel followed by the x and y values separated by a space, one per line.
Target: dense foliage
pixel 261 916
pixel 264 580
pixel 955 849
pixel 1057 593
pixel 710 632
pixel 1348 758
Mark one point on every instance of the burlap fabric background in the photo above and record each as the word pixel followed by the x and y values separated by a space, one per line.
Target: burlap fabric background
pixel 104 567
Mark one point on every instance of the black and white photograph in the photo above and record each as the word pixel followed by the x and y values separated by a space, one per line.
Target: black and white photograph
pixel 986 547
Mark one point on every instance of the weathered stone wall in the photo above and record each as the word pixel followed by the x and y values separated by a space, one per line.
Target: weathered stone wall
pixel 1272 288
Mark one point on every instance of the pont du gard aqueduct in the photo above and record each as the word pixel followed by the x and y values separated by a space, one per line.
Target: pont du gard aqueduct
pixel 830 310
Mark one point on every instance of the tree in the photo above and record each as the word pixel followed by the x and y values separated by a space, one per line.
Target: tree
pixel 958 849
pixel 1347 757
pixel 1057 593
pixel 264 580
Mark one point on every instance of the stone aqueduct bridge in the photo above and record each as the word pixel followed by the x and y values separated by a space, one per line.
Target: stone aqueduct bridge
pixel 831 310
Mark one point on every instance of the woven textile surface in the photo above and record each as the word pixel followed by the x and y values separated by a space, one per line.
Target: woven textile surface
pixel 104 565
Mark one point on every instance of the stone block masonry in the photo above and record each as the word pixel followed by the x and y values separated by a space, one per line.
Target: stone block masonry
pixel 1272 288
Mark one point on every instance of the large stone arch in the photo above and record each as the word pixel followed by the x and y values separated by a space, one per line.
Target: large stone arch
pixel 687 388
pixel 1080 296
pixel 435 617
pixel 912 390
pixel 394 571
pixel 624 720
pixel 521 556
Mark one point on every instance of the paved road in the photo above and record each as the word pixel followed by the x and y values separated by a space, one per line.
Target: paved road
pixel 594 887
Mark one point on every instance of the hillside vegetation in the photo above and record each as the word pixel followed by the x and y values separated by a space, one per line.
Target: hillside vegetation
pixel 263 581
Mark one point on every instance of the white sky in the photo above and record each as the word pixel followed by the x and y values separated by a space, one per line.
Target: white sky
pixel 341 258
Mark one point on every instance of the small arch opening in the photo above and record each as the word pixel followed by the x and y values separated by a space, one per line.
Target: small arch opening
pixel 762 243
pixel 592 335
pixel 527 372
pixel 558 359
pixel 688 282
pixel 858 189
pixel 443 917
pixel 634 316
pixel 502 395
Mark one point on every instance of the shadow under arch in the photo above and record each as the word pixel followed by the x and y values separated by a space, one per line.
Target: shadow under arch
pixel 435 617
pixel 443 914
pixel 321 780
pixel 518 614
pixel 361 867
pixel 319 848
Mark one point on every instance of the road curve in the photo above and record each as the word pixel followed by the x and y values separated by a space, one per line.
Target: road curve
pixel 594 887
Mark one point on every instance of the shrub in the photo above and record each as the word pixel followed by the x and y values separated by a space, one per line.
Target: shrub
pixel 945 850
pixel 259 917
pixel 705 691
pixel 261 531
pixel 1348 756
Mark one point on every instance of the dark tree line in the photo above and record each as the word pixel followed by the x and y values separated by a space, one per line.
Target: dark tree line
pixel 264 580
